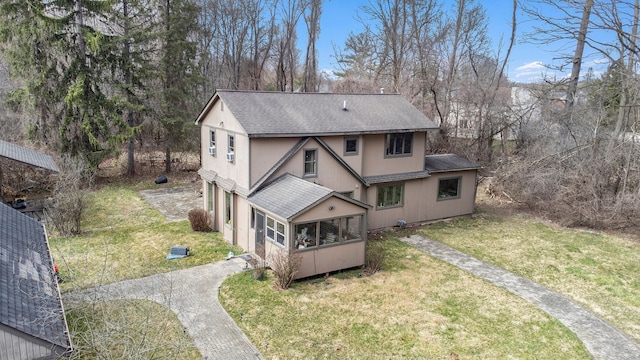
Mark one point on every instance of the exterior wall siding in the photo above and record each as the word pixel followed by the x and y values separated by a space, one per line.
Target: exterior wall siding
pixel 266 152
pixel 421 201
pixel 224 124
pixel 337 143
pixel 330 173
pixel 332 258
pixel 375 162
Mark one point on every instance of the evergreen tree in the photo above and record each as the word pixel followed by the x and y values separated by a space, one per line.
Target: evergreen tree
pixel 179 107
pixel 58 49
pixel 134 49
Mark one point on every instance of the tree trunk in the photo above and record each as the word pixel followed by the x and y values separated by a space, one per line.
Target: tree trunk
pixel 577 57
pixel 131 169
pixel 624 110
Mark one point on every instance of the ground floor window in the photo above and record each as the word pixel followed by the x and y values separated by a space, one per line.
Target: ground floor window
pixel 276 230
pixel 328 232
pixel 227 208
pixel 449 188
pixel 210 196
pixel 390 195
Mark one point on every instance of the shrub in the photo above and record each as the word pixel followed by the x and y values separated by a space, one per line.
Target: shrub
pixel 259 268
pixel 200 220
pixel 375 257
pixel 69 196
pixel 285 266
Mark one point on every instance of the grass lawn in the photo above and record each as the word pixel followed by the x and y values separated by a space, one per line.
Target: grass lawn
pixel 417 307
pixel 598 271
pixel 125 238
pixel 128 329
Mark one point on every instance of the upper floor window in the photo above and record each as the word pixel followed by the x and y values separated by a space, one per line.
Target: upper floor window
pixel 212 142
pixel 231 146
pixel 390 195
pixel 310 162
pixel 231 149
pixel 351 146
pixel 449 188
pixel 399 144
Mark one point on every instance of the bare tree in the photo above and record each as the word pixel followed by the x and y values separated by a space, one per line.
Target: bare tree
pixel 287 54
pixel 69 196
pixel 312 20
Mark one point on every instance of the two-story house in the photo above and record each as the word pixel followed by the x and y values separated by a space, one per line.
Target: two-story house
pixel 314 172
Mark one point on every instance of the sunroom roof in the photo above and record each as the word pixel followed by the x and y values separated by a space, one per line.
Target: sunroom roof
pixel 289 195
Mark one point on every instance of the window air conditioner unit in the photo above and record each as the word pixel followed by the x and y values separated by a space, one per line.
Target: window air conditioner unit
pixel 212 150
pixel 230 157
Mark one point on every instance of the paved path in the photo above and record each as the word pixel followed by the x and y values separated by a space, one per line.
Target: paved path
pixel 192 294
pixel 602 340
pixel 174 202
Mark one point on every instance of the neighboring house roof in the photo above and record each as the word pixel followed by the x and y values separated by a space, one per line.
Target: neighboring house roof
pixel 448 162
pixel 27 156
pixel 299 145
pixel 29 296
pixel 285 114
pixel 288 196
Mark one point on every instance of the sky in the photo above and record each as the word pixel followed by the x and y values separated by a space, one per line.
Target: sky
pixel 527 61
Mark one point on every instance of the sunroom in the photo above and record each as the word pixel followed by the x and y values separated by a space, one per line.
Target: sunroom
pixel 326 228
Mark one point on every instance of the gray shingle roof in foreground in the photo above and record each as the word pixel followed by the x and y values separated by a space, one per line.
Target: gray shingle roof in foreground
pixel 264 114
pixel 448 162
pixel 289 195
pixel 29 297
pixel 27 156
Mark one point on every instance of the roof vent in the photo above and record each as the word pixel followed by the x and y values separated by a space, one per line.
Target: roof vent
pixel 344 105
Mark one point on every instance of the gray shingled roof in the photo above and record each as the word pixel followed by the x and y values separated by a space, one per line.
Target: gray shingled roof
pixel 377 179
pixel 264 114
pixel 27 156
pixel 29 297
pixel 448 162
pixel 288 195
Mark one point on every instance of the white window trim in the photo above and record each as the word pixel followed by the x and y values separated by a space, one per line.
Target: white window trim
pixel 274 239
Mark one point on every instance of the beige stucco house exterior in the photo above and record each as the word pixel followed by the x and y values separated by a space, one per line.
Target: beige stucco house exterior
pixel 314 172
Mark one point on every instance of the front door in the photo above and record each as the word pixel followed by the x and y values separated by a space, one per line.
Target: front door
pixel 260 234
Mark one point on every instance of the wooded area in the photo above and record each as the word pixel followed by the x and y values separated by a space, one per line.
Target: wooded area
pixel 96 78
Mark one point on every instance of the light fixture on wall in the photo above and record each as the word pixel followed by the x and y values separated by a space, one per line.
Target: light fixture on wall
pixel 331 207
pixel 221 124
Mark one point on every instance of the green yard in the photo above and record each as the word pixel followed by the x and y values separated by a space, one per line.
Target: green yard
pixel 416 307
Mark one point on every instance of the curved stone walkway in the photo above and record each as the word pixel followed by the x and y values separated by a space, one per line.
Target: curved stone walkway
pixel 602 340
pixel 192 294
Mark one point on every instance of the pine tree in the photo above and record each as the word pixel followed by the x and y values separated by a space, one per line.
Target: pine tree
pixel 179 19
pixel 134 52
pixel 59 51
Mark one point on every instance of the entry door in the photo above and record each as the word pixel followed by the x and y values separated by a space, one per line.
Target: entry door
pixel 260 234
